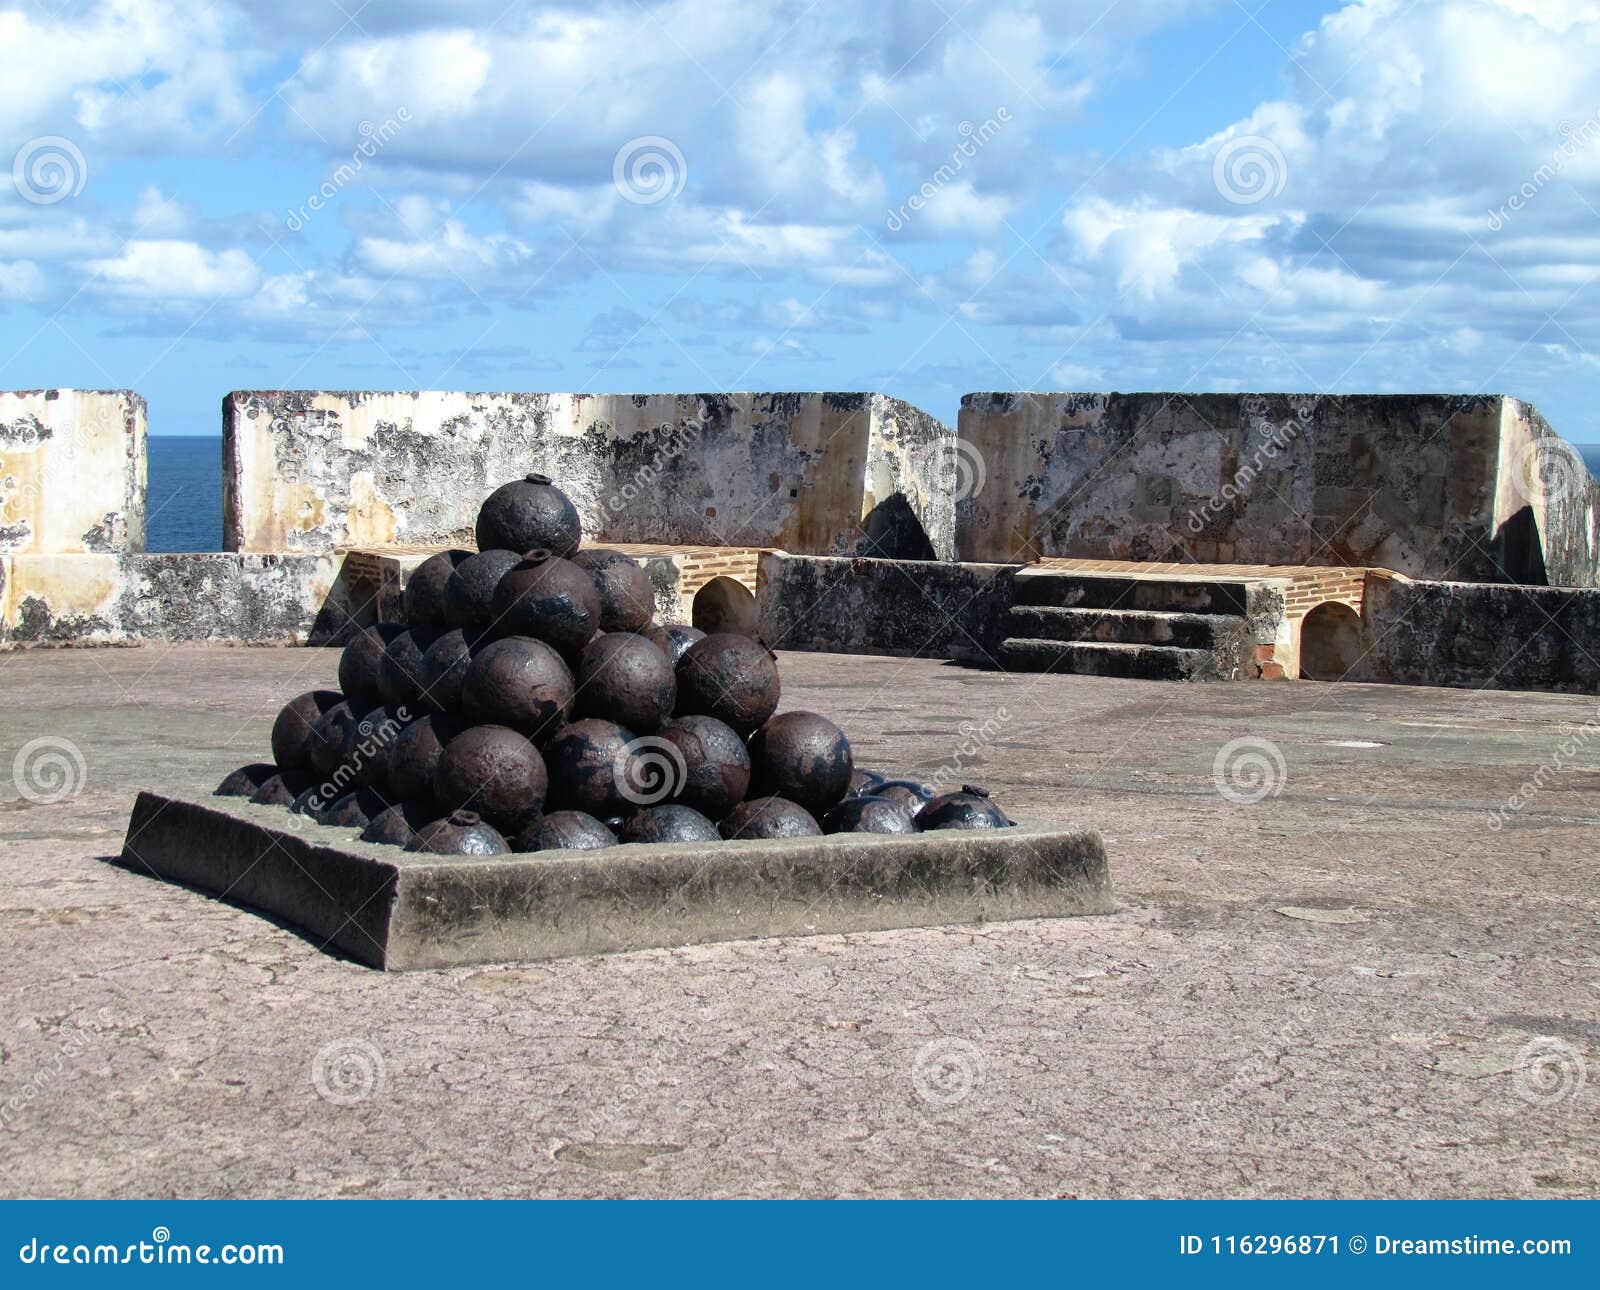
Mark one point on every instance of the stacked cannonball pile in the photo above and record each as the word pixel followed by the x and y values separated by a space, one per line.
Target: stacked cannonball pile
pixel 529 703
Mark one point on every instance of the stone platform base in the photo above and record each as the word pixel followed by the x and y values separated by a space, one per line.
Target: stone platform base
pixel 392 909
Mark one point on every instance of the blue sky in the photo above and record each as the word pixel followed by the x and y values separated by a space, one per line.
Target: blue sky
pixel 1382 196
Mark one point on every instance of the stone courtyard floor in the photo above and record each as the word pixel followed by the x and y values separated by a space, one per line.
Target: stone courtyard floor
pixel 1354 986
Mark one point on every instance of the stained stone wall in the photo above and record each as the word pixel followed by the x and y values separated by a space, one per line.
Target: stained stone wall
pixel 1420 484
pixel 72 471
pixel 817 472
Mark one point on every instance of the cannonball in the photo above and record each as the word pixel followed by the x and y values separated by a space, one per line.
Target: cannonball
pixel 527 513
pixel 910 794
pixel 400 669
pixel 469 593
pixel 868 814
pixel 397 825
pixel 424 596
pixel 865 782
pixel 715 766
pixel 354 810
pixel 310 803
pixel 622 677
pixel 968 809
pixel 493 770
pixel 589 765
pixel 519 682
pixel 244 781
pixel 564 831
pixel 550 599
pixel 769 817
pixel 414 756
pixel 444 671
pixel 360 662
pixel 731 677
pixel 627 599
pixel 801 756
pixel 355 751
pixel 671 822
pixel 461 833
pixel 292 738
pixel 674 640
pixel 276 791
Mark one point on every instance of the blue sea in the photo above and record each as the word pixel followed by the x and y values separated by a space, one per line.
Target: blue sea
pixel 185 506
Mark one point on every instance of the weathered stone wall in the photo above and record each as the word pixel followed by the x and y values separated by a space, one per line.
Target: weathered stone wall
pixel 112 599
pixel 911 608
pixel 313 471
pixel 1481 636
pixel 1546 505
pixel 1412 483
pixel 72 471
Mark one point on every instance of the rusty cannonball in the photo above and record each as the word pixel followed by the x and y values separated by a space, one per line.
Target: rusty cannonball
pixel 494 771
pixel 715 771
pixel 910 794
pixel 469 593
pixel 527 513
pixel 328 738
pixel 672 822
pixel 354 810
pixel 277 791
pixel 622 677
pixel 414 756
pixel 731 677
pixel 355 748
pixel 801 756
pixel 674 640
pixel 564 831
pixel 519 682
pixel 397 825
pixel 868 814
pixel 244 781
pixel 310 803
pixel 461 833
pixel 968 809
pixel 590 763
pixel 769 817
pixel 444 671
pixel 627 600
pixel 865 782
pixel 360 662
pixel 292 738
pixel 400 668
pixel 550 599
pixel 424 596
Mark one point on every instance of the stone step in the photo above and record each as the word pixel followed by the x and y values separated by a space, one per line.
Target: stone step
pixel 1099 658
pixel 1114 591
pixel 1122 626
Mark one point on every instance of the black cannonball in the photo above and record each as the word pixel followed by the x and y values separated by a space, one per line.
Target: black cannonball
pixel 674 640
pixel 292 739
pixel 354 810
pixel 672 822
pixel 424 596
pixel 801 756
pixel 865 782
pixel 310 803
pixel 444 671
pixel 589 764
pixel 715 765
pixel 244 781
pixel 361 662
pixel 564 831
pixel 461 833
pixel 277 791
pixel 469 593
pixel 519 682
pixel 769 817
pixel 550 599
pixel 623 677
pixel 494 771
pixel 400 675
pixel 527 513
pixel 731 677
pixel 627 600
pixel 868 814
pixel 414 756
pixel 355 749
pixel 968 809
pixel 397 825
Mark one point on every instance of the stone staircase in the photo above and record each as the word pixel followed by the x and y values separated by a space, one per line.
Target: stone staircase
pixel 1154 627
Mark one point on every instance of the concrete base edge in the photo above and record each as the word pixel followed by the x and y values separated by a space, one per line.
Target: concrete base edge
pixel 391 909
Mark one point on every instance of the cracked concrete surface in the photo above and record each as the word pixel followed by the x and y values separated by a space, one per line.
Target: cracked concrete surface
pixel 1431 1033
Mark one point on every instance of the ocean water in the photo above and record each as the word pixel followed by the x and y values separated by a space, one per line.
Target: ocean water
pixel 185 501
pixel 183 509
